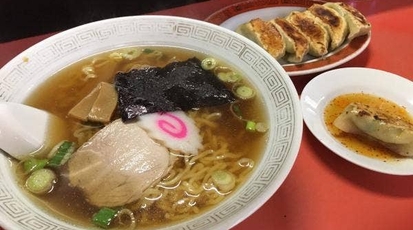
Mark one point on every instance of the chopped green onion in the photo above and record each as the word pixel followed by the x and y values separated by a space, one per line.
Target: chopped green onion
pixel 62 154
pixel 236 110
pixel 104 217
pixel 261 127
pixel 244 92
pixel 229 77
pixel 156 54
pixel 148 51
pixel 116 56
pixel 128 213
pixel 128 54
pixel 41 181
pixel 250 126
pixel 226 74
pixel 234 77
pixel 131 54
pixel 223 76
pixel 223 180
pixel 208 63
pixel 33 164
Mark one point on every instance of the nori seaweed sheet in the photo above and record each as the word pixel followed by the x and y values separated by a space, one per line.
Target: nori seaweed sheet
pixel 177 86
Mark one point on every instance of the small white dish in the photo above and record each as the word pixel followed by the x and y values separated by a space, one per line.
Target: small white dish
pixel 325 87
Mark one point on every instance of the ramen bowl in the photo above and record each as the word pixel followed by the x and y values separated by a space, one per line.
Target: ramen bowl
pixel 21 76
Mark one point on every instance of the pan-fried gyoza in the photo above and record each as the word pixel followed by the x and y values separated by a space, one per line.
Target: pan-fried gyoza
pixel 325 27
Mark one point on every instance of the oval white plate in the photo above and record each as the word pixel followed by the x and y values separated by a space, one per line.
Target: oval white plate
pixel 323 88
pixel 234 15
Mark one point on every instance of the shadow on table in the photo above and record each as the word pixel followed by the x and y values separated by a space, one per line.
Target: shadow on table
pixel 376 182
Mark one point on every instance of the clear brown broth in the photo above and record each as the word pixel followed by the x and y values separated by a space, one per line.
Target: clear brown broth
pixel 65 89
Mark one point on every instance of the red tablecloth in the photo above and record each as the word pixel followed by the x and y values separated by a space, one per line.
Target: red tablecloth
pixel 324 191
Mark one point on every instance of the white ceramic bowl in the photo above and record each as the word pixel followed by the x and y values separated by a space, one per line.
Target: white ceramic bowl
pixel 27 70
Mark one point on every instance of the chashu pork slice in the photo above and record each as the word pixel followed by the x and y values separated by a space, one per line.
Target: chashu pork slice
pixel 117 165
pixel 296 43
pixel 335 24
pixel 392 132
pixel 356 21
pixel 264 34
pixel 316 34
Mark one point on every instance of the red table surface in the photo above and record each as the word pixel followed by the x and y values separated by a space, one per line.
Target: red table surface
pixel 324 191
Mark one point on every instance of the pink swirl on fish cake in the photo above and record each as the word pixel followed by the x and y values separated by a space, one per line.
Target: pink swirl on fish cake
pixel 172 125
